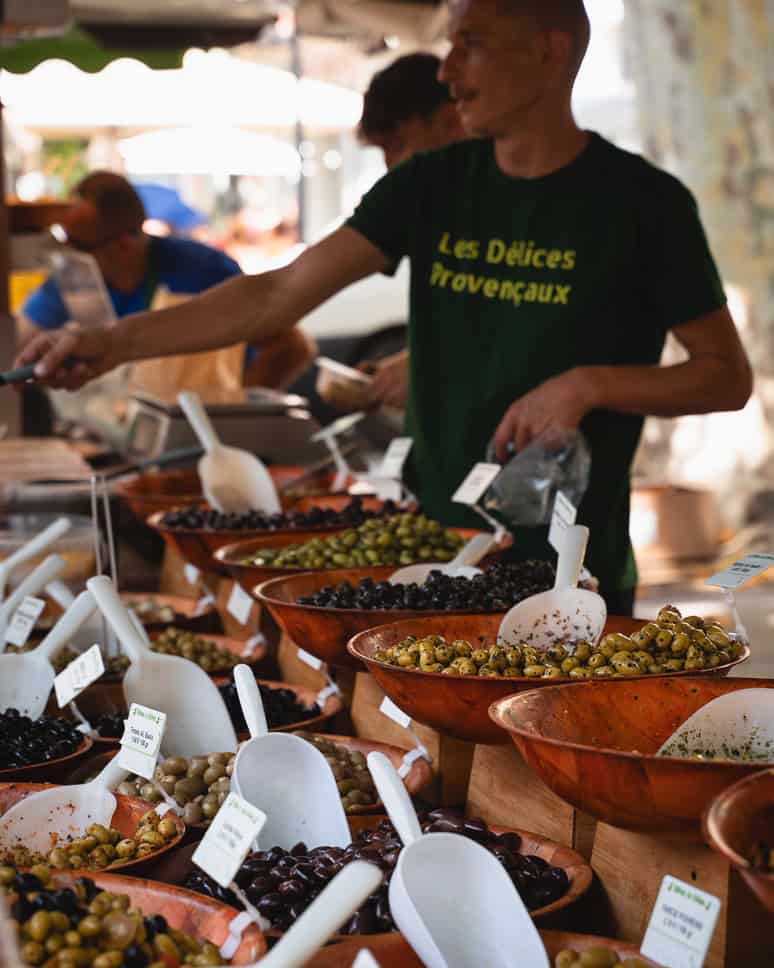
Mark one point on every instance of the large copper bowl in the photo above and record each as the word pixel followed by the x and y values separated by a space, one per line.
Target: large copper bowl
pixel 198 916
pixel 737 820
pixel 393 951
pixel 458 705
pixel 126 819
pixel 250 576
pixel 324 632
pixel 198 545
pixel 52 770
pixel 595 747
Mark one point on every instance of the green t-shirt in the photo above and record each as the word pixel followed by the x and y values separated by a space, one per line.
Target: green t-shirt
pixel 517 280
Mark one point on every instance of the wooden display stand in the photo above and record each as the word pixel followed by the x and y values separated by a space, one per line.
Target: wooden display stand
pixel 504 790
pixel 451 758
pixel 630 868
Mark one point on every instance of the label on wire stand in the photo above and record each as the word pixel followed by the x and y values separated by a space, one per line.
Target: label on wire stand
pixel 564 516
pixel 229 839
pixel 476 483
pixel 81 672
pixel 741 571
pixel 239 604
pixel 395 457
pixel 391 711
pixel 681 926
pixel 191 574
pixel 24 619
pixel 141 742
pixel 311 660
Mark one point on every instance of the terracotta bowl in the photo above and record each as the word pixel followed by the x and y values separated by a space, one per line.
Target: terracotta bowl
pixel 184 910
pixel 324 632
pixel 458 705
pixel 595 747
pixel 198 545
pixel 51 771
pixel 250 576
pixel 393 951
pixel 186 615
pixel 126 819
pixel 739 818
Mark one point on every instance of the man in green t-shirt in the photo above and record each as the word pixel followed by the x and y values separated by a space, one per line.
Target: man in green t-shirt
pixel 547 267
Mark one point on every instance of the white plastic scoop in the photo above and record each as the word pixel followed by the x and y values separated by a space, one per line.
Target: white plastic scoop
pixel 197 719
pixel 26 679
pixel 567 613
pixel 39 543
pixel 324 916
pixel 484 925
pixel 64 811
pixel 232 480
pixel 739 725
pixel 287 778
pixel 461 566
pixel 37 580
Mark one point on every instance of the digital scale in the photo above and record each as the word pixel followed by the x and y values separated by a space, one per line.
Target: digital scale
pixel 275 426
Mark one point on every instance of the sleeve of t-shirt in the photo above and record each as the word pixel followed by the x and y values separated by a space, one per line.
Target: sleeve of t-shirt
pixel 681 280
pixel 44 306
pixel 385 213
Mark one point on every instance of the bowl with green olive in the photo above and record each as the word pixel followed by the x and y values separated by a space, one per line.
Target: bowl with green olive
pixel 462 672
pixel 136 840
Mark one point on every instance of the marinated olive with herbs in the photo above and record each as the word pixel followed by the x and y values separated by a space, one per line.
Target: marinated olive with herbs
pixel 649 651
pixel 597 957
pixel 402 539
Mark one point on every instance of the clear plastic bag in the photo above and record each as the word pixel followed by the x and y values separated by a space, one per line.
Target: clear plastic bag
pixel 525 491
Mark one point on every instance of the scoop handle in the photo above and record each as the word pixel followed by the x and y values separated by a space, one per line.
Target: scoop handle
pixel 572 551
pixel 110 775
pixel 39 543
pixel 338 902
pixel 395 798
pixel 197 417
pixel 46 571
pixel 250 701
pixel 473 551
pixel 114 610
pixel 58 592
pixel 79 612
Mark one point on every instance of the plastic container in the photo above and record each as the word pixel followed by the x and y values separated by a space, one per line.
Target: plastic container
pixel 76 546
pixel 341 386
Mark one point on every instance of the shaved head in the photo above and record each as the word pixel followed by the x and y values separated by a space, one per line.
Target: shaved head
pixel 567 16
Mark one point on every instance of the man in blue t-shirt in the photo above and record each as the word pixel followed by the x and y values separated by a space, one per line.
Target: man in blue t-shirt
pixel 106 221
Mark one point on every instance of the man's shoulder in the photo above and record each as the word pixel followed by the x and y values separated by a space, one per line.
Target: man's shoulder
pixel 173 251
pixel 634 170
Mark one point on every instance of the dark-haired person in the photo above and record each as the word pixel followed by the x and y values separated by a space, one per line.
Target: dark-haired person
pixel 106 221
pixel 406 109
pixel 547 267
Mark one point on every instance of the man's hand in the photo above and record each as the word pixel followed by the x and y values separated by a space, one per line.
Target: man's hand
pixel 91 348
pixel 390 381
pixel 558 404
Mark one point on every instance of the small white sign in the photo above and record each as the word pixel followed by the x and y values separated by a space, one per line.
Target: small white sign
pixel 81 672
pixel 476 483
pixel 681 926
pixel 395 457
pixel 741 571
pixel 391 711
pixel 564 516
pixel 239 604
pixel 365 960
pixel 385 488
pixel 140 744
pixel 340 426
pixel 191 574
pixel 24 620
pixel 229 839
pixel 311 660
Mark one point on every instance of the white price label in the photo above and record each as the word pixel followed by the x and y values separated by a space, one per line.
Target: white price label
pixel 239 604
pixel 385 488
pixel 365 960
pixel 476 483
pixel 229 839
pixel 141 742
pixel 311 660
pixel 81 672
pixel 191 574
pixel 24 619
pixel 741 571
pixel 681 926
pixel 395 457
pixel 391 711
pixel 564 516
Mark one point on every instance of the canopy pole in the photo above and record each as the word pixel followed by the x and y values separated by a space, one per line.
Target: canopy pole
pixel 297 69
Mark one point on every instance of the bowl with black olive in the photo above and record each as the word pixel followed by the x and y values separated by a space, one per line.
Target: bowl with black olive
pixel 47 748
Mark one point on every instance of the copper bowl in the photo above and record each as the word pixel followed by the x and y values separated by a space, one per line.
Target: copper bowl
pixel 595 747
pixel 187 615
pixel 458 705
pixel 250 576
pixel 198 916
pixel 126 819
pixel 393 951
pixel 737 819
pixel 324 632
pixel 51 770
pixel 198 545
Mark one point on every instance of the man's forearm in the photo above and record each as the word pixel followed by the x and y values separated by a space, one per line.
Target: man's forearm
pixel 700 385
